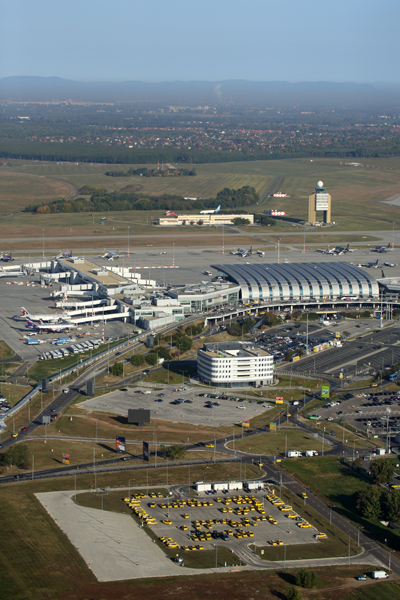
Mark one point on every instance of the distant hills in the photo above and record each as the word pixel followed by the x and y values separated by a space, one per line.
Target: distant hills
pixel 195 93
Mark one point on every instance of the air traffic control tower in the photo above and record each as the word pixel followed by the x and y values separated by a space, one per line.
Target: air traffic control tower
pixel 320 201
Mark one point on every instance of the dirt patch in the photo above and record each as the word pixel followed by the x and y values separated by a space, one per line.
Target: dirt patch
pixel 132 188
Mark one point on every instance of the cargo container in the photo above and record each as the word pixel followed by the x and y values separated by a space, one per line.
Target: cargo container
pixel 254 485
pixel 203 487
pixel 220 486
pixel 235 485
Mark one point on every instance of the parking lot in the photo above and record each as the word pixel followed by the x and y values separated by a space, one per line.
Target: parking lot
pixel 236 519
pixel 373 351
pixel 182 404
pixel 373 413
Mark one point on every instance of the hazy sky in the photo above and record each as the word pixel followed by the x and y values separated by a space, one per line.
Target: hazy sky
pixel 292 40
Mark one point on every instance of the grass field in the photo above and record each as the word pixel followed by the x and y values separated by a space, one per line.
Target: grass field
pixel 16 189
pixel 49 454
pixel 274 442
pixel 109 425
pixel 5 351
pixel 356 196
pixel 345 435
pixel 14 393
pixel 337 484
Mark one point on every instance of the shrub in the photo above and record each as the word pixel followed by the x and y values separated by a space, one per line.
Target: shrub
pixel 306 579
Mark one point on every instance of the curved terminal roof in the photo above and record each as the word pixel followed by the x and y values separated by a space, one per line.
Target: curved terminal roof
pixel 301 281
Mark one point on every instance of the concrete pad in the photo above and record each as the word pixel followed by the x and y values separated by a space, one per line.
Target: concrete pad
pixel 114 549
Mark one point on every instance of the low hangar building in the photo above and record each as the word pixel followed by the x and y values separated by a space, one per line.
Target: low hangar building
pixel 234 364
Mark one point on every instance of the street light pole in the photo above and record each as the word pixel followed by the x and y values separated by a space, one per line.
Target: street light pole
pixel 43 242
pixel 128 241
pixel 94 468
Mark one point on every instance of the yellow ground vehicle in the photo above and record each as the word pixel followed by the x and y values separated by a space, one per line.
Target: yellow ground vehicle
pixel 304 495
pixel 285 508
pixel 303 525
pixel 320 536
pixel 209 445
pixel 185 516
pixel 291 516
pixel 167 522
pixel 183 527
pixel 185 548
pixel 152 504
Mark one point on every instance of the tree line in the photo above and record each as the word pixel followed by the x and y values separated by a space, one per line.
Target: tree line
pixel 75 152
pixel 145 172
pixel 102 201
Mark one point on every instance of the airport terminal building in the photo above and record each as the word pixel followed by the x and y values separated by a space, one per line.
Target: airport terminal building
pixel 301 282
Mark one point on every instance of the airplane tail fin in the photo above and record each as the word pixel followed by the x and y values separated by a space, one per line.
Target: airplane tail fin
pixel 218 209
pixel 388 246
pixel 348 246
pixel 24 312
pixel 251 250
pixel 383 274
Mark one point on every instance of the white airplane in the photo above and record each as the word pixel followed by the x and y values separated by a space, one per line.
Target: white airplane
pixel 111 255
pixel 210 212
pixel 53 318
pixel 260 253
pixel 49 327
